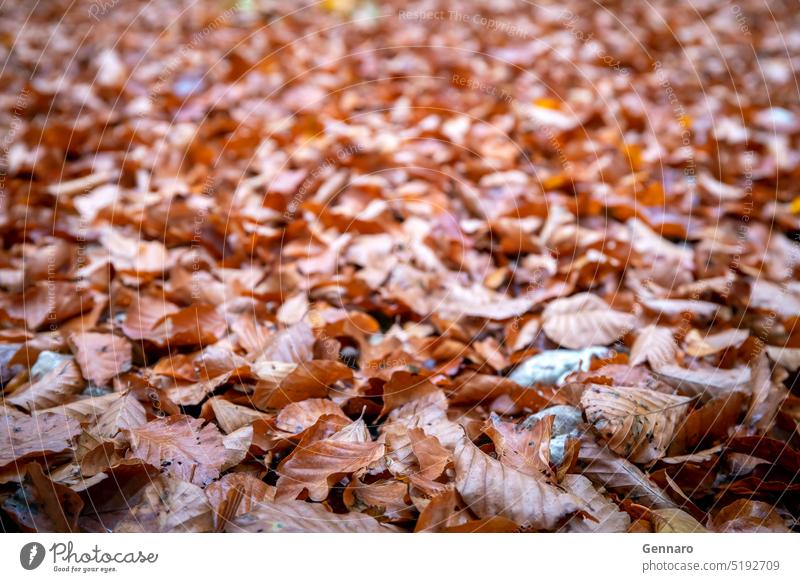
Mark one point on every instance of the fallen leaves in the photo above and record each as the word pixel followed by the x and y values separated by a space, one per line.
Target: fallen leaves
pixel 266 296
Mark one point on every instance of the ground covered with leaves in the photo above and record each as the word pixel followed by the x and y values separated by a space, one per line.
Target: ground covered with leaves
pixel 369 266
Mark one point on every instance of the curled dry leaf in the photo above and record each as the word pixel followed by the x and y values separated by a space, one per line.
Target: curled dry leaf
pixel 385 499
pixel 636 423
pixel 298 416
pixel 492 489
pixel 675 521
pixel 708 423
pixel 307 380
pixel 125 413
pixel 293 309
pixel 315 466
pixel 428 413
pixel 431 455
pixel 769 393
pixel 230 416
pixel 236 494
pixel 789 358
pixel 291 345
pixel 585 320
pixel 404 387
pixel 699 345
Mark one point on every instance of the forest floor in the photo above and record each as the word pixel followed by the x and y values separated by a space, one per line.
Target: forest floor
pixel 387 266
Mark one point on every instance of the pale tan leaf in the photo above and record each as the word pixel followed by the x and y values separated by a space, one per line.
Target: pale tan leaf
pixel 293 309
pixel 606 469
pixel 609 518
pixel 525 446
pixel 706 382
pixel 675 521
pixel 674 307
pixel 253 493
pixel 299 516
pixel 231 417
pixel 769 393
pixel 700 345
pixel 585 320
pixel 789 358
pixel 655 345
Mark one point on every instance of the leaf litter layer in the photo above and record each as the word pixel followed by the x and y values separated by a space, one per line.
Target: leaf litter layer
pixel 388 267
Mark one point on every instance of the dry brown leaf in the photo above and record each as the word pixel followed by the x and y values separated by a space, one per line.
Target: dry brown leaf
pixel 705 382
pixel 315 466
pixel 491 489
pixel 307 380
pixel 25 436
pixel 124 413
pixel 525 446
pixel 181 447
pixel 709 422
pixel 748 516
pixel 58 381
pixel 169 506
pixel 101 356
pixel 40 505
pixel 675 521
pixel 605 469
pixel 431 455
pixel 230 416
pixel 251 492
pixel 637 423
pixel 298 416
